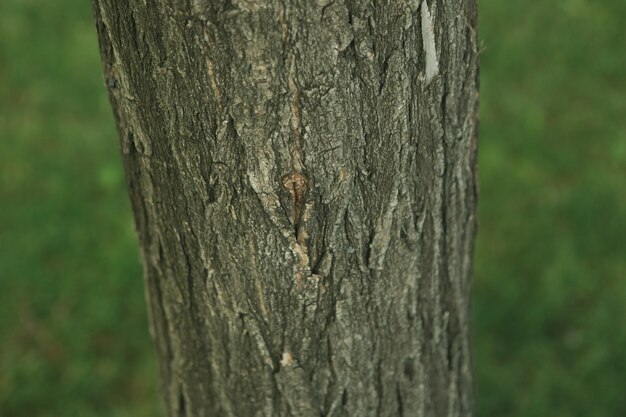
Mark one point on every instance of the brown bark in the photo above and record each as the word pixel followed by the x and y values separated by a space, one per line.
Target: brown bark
pixel 302 175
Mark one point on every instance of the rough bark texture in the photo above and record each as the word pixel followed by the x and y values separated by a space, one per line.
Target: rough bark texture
pixel 302 174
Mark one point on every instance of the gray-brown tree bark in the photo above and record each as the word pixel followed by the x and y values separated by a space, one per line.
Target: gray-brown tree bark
pixel 302 175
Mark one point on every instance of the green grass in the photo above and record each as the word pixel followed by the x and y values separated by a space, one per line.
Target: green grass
pixel 73 331
pixel 550 288
pixel 549 293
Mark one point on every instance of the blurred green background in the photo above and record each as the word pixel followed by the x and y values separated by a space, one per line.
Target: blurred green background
pixel 549 294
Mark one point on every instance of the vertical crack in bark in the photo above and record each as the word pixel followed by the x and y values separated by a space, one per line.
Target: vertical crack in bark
pixel 400 401
pixel 379 388
pixel 214 86
pixel 258 284
pixel 182 404
pixel 297 152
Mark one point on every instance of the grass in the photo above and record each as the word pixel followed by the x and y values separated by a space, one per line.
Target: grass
pixel 551 253
pixel 549 293
pixel 73 331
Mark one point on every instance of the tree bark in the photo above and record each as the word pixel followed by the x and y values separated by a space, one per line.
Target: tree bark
pixel 302 176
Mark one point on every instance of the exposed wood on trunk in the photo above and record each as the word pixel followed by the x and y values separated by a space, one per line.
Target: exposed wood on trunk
pixel 303 184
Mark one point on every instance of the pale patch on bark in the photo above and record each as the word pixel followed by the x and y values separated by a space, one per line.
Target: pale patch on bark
pixel 287 360
pixel 430 48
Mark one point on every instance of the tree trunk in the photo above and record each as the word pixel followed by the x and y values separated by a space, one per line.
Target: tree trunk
pixel 302 175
